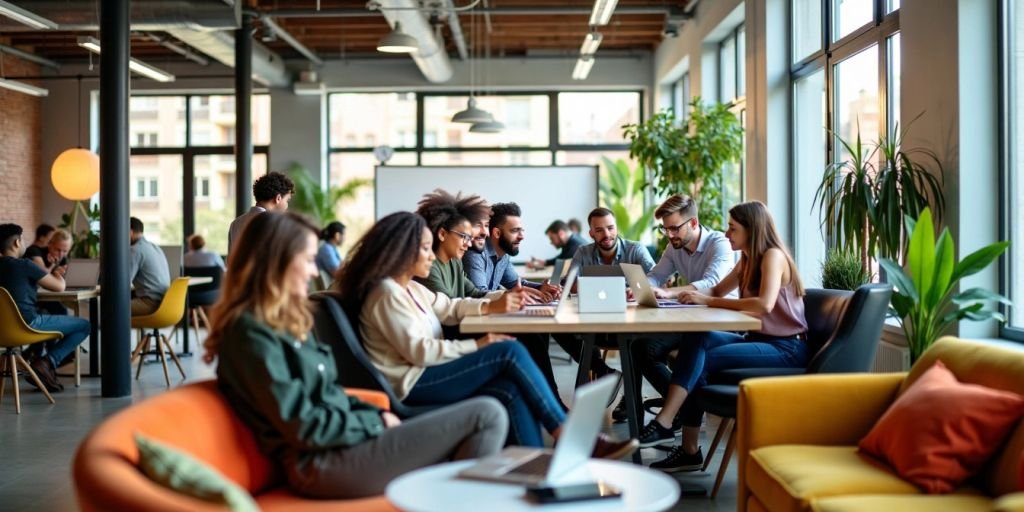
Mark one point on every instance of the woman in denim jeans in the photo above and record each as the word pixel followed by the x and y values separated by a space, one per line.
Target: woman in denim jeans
pixel 400 321
pixel 770 288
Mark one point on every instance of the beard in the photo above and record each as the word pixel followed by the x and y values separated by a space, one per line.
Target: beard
pixel 508 247
pixel 677 243
pixel 477 249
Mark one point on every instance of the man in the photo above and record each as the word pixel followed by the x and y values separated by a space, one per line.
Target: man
pixel 21 278
pixel 506 232
pixel 148 271
pixel 561 237
pixel 272 192
pixel 53 258
pixel 702 257
pixel 40 246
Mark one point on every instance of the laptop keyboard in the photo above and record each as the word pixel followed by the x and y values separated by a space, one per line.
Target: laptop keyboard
pixel 545 311
pixel 535 466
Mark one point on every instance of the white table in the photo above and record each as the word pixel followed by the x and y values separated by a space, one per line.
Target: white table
pixel 436 488
pixel 535 275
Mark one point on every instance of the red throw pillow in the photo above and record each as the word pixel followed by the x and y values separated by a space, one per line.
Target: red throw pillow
pixel 941 431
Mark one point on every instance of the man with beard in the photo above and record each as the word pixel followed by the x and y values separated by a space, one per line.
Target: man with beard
pixel 702 257
pixel 563 239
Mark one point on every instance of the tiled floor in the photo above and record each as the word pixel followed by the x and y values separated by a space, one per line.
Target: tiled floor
pixel 38 445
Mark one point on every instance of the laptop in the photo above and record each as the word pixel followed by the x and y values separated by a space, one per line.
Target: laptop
pixel 602 294
pixel 644 293
pixel 556 273
pixel 82 274
pixel 601 271
pixel 518 464
pixel 546 311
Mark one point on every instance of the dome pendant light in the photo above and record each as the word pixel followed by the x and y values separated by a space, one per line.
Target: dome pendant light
pixel 472 114
pixel 398 42
pixel 487 127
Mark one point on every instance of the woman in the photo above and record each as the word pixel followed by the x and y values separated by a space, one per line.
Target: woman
pixel 770 288
pixel 401 319
pixel 328 258
pixel 282 382
pixel 452 235
pixel 198 256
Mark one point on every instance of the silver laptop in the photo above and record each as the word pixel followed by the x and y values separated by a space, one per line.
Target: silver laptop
pixel 518 464
pixel 547 311
pixel 602 294
pixel 644 293
pixel 556 273
pixel 82 274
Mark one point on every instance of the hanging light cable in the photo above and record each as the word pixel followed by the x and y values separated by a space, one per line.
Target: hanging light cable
pixel 472 114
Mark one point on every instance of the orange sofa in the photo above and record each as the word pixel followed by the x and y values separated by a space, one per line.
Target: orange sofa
pixel 195 419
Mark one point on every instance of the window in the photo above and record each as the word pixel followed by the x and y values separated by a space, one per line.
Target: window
pixel 155 119
pixel 1013 142
pixel 850 15
pixel 590 118
pixel 810 149
pixel 213 120
pixel 855 87
pixel 365 120
pixel 731 90
pixel 144 139
pixel 202 188
pixel 806 28
pixel 146 188
pixel 680 97
pixel 528 126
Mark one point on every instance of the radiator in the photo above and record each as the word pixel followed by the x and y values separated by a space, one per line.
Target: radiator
pixel 893 354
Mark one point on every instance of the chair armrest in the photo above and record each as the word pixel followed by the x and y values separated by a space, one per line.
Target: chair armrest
pixel 1010 503
pixel 378 398
pixel 735 375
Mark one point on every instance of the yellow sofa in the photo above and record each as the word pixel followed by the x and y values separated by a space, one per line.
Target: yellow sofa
pixel 797 439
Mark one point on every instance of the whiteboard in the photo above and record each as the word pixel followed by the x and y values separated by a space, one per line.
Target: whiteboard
pixel 543 193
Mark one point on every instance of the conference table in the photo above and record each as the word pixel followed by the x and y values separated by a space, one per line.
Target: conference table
pixel 73 299
pixel 538 275
pixel 623 328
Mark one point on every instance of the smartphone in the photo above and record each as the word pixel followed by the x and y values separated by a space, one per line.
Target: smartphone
pixel 572 492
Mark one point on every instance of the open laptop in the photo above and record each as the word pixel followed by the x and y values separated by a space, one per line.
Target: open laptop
pixel 643 291
pixel 82 274
pixel 556 272
pixel 523 465
pixel 547 311
pixel 602 294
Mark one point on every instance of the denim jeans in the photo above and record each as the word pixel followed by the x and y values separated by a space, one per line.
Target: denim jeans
pixel 651 355
pixel 505 371
pixel 704 353
pixel 74 329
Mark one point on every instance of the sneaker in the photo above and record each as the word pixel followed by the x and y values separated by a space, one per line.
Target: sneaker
pixel 607 448
pixel 679 461
pixel 619 413
pixel 654 434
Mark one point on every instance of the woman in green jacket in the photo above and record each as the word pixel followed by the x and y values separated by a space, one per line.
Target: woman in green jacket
pixel 282 382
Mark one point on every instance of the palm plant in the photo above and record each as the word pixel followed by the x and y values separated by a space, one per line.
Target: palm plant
pixel 319 202
pixel 622 191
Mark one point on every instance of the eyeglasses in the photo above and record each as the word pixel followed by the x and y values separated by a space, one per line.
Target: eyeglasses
pixel 668 230
pixel 466 238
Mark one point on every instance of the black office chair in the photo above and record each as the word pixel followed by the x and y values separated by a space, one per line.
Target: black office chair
pixel 203 295
pixel 843 329
pixel 333 326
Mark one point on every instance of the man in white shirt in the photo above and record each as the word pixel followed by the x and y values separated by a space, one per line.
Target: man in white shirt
pixel 272 193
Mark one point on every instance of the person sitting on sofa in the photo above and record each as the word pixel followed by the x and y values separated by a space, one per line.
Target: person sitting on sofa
pixel 281 381
pixel 400 320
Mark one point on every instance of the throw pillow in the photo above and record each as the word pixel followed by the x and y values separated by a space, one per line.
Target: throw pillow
pixel 181 472
pixel 941 431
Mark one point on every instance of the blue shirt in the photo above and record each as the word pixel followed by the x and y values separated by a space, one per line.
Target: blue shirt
pixel 490 272
pixel 328 259
pixel 626 251
pixel 568 250
pixel 704 268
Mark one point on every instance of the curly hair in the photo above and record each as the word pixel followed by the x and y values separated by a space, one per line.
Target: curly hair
pixel 502 211
pixel 389 248
pixel 439 208
pixel 271 185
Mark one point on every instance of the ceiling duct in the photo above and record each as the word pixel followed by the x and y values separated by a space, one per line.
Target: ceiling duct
pixel 267 66
pixel 432 59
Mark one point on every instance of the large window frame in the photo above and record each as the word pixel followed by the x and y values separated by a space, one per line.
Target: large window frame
pixel 1009 171
pixel 188 153
pixel 733 49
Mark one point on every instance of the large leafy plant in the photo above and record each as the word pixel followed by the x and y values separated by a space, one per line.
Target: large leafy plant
pixel 862 201
pixel 317 201
pixel 925 301
pixel 622 192
pixel 85 243
pixel 689 158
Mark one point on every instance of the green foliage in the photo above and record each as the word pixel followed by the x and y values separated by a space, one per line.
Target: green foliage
pixel 924 301
pixel 622 191
pixel 314 200
pixel 689 159
pixel 86 242
pixel 862 203
pixel 842 270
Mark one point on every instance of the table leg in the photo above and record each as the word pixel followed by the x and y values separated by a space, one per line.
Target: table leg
pixel 630 392
pixel 94 337
pixel 185 351
pixel 586 354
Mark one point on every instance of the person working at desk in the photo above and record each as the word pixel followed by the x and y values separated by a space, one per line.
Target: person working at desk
pixel 328 256
pixel 147 270
pixel 561 238
pixel 770 288
pixel 282 381
pixel 506 233
pixel 53 258
pixel 21 278
pixel 401 319
pixel 40 247
pixel 198 256
pixel 701 256
pixel 272 192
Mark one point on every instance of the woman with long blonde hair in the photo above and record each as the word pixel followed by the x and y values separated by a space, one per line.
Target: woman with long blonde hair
pixel 282 382
pixel 769 288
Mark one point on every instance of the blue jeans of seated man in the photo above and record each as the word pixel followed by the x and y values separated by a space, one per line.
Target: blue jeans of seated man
pixel 704 353
pixel 74 329
pixel 505 371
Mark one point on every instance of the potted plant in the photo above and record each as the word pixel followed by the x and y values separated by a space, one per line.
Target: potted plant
pixel 85 243
pixel 924 300
pixel 622 192
pixel 863 200
pixel 842 270
pixel 320 202
pixel 688 159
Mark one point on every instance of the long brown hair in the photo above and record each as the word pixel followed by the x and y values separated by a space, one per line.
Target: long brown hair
pixel 388 249
pixel 761 236
pixel 255 281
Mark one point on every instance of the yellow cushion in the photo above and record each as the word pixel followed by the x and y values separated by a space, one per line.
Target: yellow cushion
pixel 922 503
pixel 788 477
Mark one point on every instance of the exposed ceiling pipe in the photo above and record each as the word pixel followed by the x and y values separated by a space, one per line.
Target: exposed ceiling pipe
pixel 294 43
pixel 456 28
pixel 267 67
pixel 432 59
pixel 184 51
pixel 496 11
pixel 31 57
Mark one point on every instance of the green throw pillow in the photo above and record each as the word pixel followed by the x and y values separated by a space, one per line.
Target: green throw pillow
pixel 183 473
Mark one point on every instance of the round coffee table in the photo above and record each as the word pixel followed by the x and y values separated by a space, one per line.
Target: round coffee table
pixel 436 488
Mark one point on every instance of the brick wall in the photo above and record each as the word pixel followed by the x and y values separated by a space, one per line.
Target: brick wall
pixel 21 171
